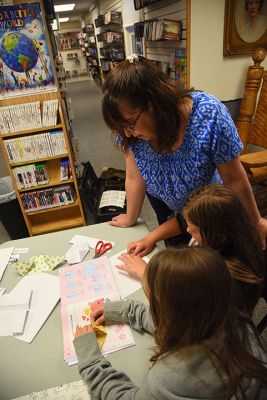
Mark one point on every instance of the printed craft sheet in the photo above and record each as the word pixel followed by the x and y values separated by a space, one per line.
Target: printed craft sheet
pixel 83 286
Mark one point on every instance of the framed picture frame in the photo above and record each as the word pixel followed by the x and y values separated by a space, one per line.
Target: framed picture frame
pixel 245 26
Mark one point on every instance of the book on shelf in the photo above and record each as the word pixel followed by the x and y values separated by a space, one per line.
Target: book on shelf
pixel 27 116
pixel 112 17
pixel 65 170
pixel 69 40
pixel 170 29
pixel 47 198
pixel 31 175
pixel 32 147
pixel 25 65
pixel 180 65
pixel 159 29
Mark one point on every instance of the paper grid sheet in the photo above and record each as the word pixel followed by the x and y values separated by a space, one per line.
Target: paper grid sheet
pixel 81 286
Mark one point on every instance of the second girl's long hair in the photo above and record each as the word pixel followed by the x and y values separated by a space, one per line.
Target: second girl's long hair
pixel 226 226
pixel 191 300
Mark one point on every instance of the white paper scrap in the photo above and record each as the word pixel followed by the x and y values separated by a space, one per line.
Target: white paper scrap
pixel 77 252
pixel 91 241
pixel 126 283
pixel 21 250
pixel 4 259
pixel 75 390
pixel 45 296
pixel 2 291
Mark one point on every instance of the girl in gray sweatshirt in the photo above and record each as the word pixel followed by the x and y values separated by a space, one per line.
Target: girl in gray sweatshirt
pixel 205 347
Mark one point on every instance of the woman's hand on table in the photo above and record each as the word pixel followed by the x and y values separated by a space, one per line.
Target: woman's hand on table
pixel 122 220
pixel 97 316
pixel 133 265
pixel 82 330
pixel 140 247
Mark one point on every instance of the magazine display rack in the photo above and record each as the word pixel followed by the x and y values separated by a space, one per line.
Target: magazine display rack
pixel 33 133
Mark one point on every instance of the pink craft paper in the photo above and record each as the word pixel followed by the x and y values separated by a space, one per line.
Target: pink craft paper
pixel 81 285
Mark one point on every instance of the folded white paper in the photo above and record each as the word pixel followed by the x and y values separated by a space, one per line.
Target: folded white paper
pixel 13 312
pixel 126 283
pixel 45 296
pixel 4 259
pixel 77 252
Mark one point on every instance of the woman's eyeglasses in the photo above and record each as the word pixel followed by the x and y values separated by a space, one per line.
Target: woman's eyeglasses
pixel 131 126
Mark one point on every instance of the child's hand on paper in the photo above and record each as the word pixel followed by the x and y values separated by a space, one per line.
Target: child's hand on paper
pixel 140 247
pixel 134 265
pixel 97 316
pixel 82 330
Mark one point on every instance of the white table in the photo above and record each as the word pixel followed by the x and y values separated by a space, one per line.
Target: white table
pixel 27 368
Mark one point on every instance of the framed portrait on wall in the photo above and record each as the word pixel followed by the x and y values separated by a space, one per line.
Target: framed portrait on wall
pixel 245 26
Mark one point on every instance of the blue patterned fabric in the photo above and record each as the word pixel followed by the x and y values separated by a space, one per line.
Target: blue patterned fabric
pixel 211 138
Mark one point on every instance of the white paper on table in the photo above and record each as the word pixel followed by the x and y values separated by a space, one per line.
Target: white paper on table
pixel 13 312
pixel 21 250
pixel 90 240
pixel 69 391
pixel 126 283
pixel 77 252
pixel 2 291
pixel 45 296
pixel 4 259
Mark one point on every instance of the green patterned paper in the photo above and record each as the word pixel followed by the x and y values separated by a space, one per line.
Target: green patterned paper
pixel 38 264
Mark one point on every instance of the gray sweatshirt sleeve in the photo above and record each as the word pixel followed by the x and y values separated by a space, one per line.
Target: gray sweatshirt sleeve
pixel 104 381
pixel 135 313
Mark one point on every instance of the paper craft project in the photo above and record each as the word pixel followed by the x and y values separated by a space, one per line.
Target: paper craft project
pixel 84 286
pixel 91 241
pixel 77 390
pixel 45 288
pixel 38 264
pixel 126 283
pixel 5 255
pixel 77 252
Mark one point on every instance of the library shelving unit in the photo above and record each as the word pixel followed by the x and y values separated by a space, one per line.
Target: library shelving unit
pixel 34 135
pixel 55 217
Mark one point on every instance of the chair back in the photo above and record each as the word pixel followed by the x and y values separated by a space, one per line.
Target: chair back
pixel 252 120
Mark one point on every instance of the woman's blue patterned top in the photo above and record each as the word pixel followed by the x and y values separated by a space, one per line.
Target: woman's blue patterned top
pixel 211 138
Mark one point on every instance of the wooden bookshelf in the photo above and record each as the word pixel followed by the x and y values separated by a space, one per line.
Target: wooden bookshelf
pixel 64 216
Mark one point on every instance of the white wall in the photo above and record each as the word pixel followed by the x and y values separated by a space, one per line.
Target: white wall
pixel 221 76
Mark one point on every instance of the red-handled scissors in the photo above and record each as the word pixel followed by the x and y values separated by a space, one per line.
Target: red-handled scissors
pixel 101 248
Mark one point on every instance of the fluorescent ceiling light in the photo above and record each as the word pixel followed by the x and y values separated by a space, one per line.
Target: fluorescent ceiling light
pixel 64 19
pixel 64 7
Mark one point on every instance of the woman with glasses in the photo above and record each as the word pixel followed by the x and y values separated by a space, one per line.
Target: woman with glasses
pixel 174 140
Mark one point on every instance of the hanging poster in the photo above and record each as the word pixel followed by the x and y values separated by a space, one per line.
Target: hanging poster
pixel 25 65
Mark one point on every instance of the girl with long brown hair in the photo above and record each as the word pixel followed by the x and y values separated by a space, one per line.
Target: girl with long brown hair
pixel 206 348
pixel 216 217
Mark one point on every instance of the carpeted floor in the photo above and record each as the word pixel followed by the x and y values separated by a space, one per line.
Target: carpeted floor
pixel 96 145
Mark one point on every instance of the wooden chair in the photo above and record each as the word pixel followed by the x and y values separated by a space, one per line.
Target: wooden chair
pixel 252 128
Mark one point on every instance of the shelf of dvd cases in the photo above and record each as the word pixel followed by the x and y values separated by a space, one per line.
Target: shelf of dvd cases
pixel 33 133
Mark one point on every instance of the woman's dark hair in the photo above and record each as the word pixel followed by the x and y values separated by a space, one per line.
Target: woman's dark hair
pixel 191 300
pixel 141 84
pixel 226 226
